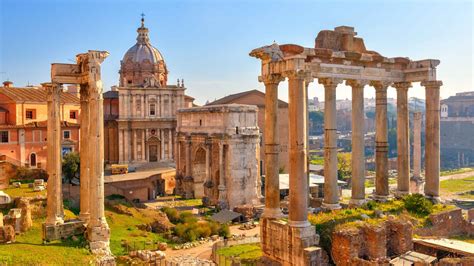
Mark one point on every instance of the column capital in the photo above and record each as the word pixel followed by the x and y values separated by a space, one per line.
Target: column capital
pixel 432 84
pixel 380 85
pixel 297 74
pixel 357 83
pixel 271 79
pixel 402 85
pixel 331 82
pixel 52 90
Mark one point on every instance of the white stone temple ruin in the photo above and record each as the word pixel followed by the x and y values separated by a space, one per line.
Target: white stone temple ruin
pixel 218 154
pixel 338 55
pixel 86 73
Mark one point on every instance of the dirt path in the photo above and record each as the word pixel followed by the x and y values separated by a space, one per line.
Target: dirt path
pixel 457 176
pixel 204 251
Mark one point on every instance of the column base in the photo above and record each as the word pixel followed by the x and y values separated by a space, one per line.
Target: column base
pixel 99 239
pixel 54 221
pixel 299 224
pixel 434 199
pixel 357 202
pixel 84 217
pixel 272 213
pixel 400 194
pixel 381 198
pixel 331 206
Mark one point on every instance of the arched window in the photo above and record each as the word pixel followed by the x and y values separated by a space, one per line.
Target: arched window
pixel 33 159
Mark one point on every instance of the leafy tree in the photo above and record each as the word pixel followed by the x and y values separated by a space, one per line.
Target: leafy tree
pixel 70 165
pixel 344 166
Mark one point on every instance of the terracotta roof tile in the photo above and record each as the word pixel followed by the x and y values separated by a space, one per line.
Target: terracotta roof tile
pixel 35 94
pixel 231 98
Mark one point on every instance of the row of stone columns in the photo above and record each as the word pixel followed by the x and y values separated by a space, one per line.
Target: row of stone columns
pixel 298 149
pixel 128 145
pixel 132 101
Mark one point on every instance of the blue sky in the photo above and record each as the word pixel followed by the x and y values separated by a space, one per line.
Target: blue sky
pixel 207 42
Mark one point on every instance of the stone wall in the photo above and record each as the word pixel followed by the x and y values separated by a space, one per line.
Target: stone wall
pixel 446 224
pixel 61 231
pixel 7 171
pixel 373 242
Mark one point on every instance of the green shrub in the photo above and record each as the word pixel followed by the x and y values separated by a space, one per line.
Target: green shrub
pixel 417 204
pixel 224 230
pixel 172 214
pixel 115 197
pixel 27 175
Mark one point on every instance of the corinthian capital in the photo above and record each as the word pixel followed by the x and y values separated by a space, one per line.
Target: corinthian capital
pixel 432 84
pixel 402 85
pixel 271 79
pixel 380 85
pixel 329 82
pixel 356 83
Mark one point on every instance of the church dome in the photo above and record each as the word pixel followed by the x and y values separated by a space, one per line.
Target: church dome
pixel 143 50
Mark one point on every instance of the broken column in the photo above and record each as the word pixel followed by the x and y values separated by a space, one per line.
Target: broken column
pixel 98 231
pixel 272 147
pixel 381 141
pixel 55 211
pixel 432 153
pixel 331 191
pixel 358 143
pixel 403 139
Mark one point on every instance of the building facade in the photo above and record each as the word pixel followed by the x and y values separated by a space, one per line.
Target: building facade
pixel 217 155
pixel 147 106
pixel 23 121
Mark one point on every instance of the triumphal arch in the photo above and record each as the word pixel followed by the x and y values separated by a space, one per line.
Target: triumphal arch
pixel 86 73
pixel 338 55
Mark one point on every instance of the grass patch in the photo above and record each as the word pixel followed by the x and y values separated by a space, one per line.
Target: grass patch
pixel 249 252
pixel 457 171
pixel 318 160
pixel 23 191
pixel 464 238
pixel 455 186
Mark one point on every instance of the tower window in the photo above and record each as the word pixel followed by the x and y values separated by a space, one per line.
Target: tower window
pixel 152 109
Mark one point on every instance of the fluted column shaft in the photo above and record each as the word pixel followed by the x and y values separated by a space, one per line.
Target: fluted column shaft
pixel 381 141
pixel 298 216
pixel 272 147
pixel 432 153
pixel 331 194
pixel 403 139
pixel 55 212
pixel 84 155
pixel 358 144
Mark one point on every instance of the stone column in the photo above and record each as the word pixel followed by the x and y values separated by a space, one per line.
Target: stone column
pixel 222 201
pixel 381 141
pixel 126 144
pixel 170 101
pixel 298 216
pixel 55 212
pixel 143 145
pixel 145 107
pixel 170 144
pixel 162 103
pixel 432 139
pixel 417 117
pixel 331 191
pixel 403 139
pixel 135 149
pixel 272 147
pixel 358 142
pixel 189 168
pixel 162 136
pixel 84 155
pixel 98 231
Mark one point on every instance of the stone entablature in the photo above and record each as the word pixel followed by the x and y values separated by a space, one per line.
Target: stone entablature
pixel 217 155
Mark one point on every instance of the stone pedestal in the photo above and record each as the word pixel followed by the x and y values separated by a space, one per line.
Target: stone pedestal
pixel 287 245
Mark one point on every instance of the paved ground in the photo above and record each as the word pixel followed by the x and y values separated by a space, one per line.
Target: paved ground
pixel 457 176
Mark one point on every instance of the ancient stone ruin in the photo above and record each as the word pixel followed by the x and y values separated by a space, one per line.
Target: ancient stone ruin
pixel 217 155
pixel 338 55
pixel 86 73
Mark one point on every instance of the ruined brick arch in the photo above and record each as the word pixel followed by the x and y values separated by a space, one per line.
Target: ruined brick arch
pixel 199 165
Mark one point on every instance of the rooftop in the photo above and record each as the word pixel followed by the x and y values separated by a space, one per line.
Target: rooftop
pixel 35 95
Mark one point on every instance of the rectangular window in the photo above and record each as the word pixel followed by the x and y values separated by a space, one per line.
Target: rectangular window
pixel 30 114
pixel 73 114
pixel 4 136
pixel 152 109
pixel 66 134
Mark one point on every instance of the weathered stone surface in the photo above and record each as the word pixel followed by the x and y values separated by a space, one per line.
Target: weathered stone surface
pixel 7 234
pixel 447 223
pixel 26 221
pixel 399 236
pixel 62 231
pixel 346 244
